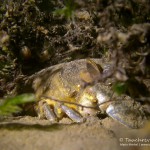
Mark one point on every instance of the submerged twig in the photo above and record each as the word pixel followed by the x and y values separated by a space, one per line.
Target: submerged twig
pixel 90 107
pixel 73 103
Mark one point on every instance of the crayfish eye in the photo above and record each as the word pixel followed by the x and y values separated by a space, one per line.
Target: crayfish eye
pixel 78 87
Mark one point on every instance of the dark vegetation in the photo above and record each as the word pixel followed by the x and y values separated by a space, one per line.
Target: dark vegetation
pixel 37 34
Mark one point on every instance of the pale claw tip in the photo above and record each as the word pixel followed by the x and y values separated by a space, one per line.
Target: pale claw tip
pixel 127 116
pixel 72 114
pixel 49 114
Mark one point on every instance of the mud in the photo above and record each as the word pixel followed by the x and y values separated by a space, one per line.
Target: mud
pixel 30 133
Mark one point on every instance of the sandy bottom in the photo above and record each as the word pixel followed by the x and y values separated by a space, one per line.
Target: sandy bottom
pixel 30 133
